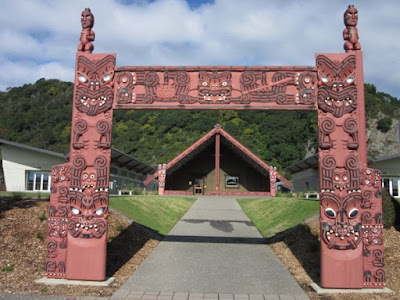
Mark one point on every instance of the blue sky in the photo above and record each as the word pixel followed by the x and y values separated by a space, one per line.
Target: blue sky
pixel 38 38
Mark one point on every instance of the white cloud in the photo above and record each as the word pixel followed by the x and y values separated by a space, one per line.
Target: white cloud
pixel 39 38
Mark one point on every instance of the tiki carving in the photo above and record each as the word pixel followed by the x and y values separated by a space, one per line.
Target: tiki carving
pixel 162 174
pixel 272 180
pixel 350 33
pixel 87 34
pixel 341 229
pixel 351 209
pixel 215 88
pixel 351 213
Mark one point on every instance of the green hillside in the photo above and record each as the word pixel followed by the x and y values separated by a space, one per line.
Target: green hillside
pixel 39 114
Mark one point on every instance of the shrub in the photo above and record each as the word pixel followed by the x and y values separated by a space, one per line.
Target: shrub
pixel 8 268
pixel 17 196
pixel 384 124
pixel 42 217
pixel 388 209
pixel 39 236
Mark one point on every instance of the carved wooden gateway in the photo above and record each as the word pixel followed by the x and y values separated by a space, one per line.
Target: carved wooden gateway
pixel 351 210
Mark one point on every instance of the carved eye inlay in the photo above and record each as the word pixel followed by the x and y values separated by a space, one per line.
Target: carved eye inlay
pixel 353 213
pixel 224 83
pixel 205 83
pixel 324 79
pixel 85 176
pixel 106 77
pixel 99 211
pixel 330 212
pixel 350 79
pixel 82 79
pixel 75 211
pixel 92 176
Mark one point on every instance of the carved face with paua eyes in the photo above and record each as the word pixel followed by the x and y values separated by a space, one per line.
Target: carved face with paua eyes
pixel 351 16
pixel 88 212
pixel 94 93
pixel 215 88
pixel 341 179
pixel 341 226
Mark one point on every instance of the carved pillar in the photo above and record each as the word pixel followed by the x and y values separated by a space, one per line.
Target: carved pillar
pixel 162 174
pixel 90 157
pixel 272 181
pixel 351 214
pixel 58 222
pixel 217 161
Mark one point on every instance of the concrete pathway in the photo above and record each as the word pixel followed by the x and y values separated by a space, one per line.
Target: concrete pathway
pixel 213 250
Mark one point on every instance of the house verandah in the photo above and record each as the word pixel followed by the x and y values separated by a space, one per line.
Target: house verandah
pixel 217 164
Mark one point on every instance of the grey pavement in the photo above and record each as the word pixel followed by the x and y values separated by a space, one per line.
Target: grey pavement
pixel 213 249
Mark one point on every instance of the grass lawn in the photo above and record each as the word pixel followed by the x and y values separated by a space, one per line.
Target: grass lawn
pixel 35 195
pixel 273 215
pixel 155 212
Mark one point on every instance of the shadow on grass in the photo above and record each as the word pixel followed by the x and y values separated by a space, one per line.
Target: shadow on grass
pixel 304 246
pixel 126 244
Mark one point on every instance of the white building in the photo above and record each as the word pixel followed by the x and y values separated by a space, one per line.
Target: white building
pixel 27 168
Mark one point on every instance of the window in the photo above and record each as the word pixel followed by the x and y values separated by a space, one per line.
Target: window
pixel 232 181
pixel 392 186
pixel 38 181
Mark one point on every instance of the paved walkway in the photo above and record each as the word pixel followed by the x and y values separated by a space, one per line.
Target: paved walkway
pixel 213 251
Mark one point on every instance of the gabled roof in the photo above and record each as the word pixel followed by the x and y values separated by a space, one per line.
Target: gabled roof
pixel 206 140
pixel 31 148
pixel 121 159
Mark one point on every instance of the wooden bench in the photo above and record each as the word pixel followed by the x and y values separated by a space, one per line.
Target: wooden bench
pixel 312 195
pixel 125 192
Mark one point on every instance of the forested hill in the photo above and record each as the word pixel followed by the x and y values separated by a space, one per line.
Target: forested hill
pixel 40 115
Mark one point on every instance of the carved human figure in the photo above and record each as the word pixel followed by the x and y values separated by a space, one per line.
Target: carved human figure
pixel 350 33
pixel 87 34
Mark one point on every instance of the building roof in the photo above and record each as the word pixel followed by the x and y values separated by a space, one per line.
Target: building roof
pixel 119 158
pixel 30 148
pixel 312 162
pixel 386 157
pixel 228 140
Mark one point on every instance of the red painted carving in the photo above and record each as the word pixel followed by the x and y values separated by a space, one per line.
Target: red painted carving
pixel 87 34
pixel 57 222
pixel 162 173
pixel 272 180
pixel 87 201
pixel 350 33
pixel 351 208
pixel 210 87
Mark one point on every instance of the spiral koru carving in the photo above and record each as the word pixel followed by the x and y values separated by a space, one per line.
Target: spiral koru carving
pixel 100 162
pixel 182 78
pixel 353 166
pixel 103 127
pixel 51 249
pixel 328 165
pixel 326 127
pixel 350 126
pixel 248 81
pixel 81 126
pixel 79 162
pixel 151 79
pixel 51 266
pixel 378 258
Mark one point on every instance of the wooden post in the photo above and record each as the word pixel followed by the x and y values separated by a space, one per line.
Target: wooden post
pixel 217 161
